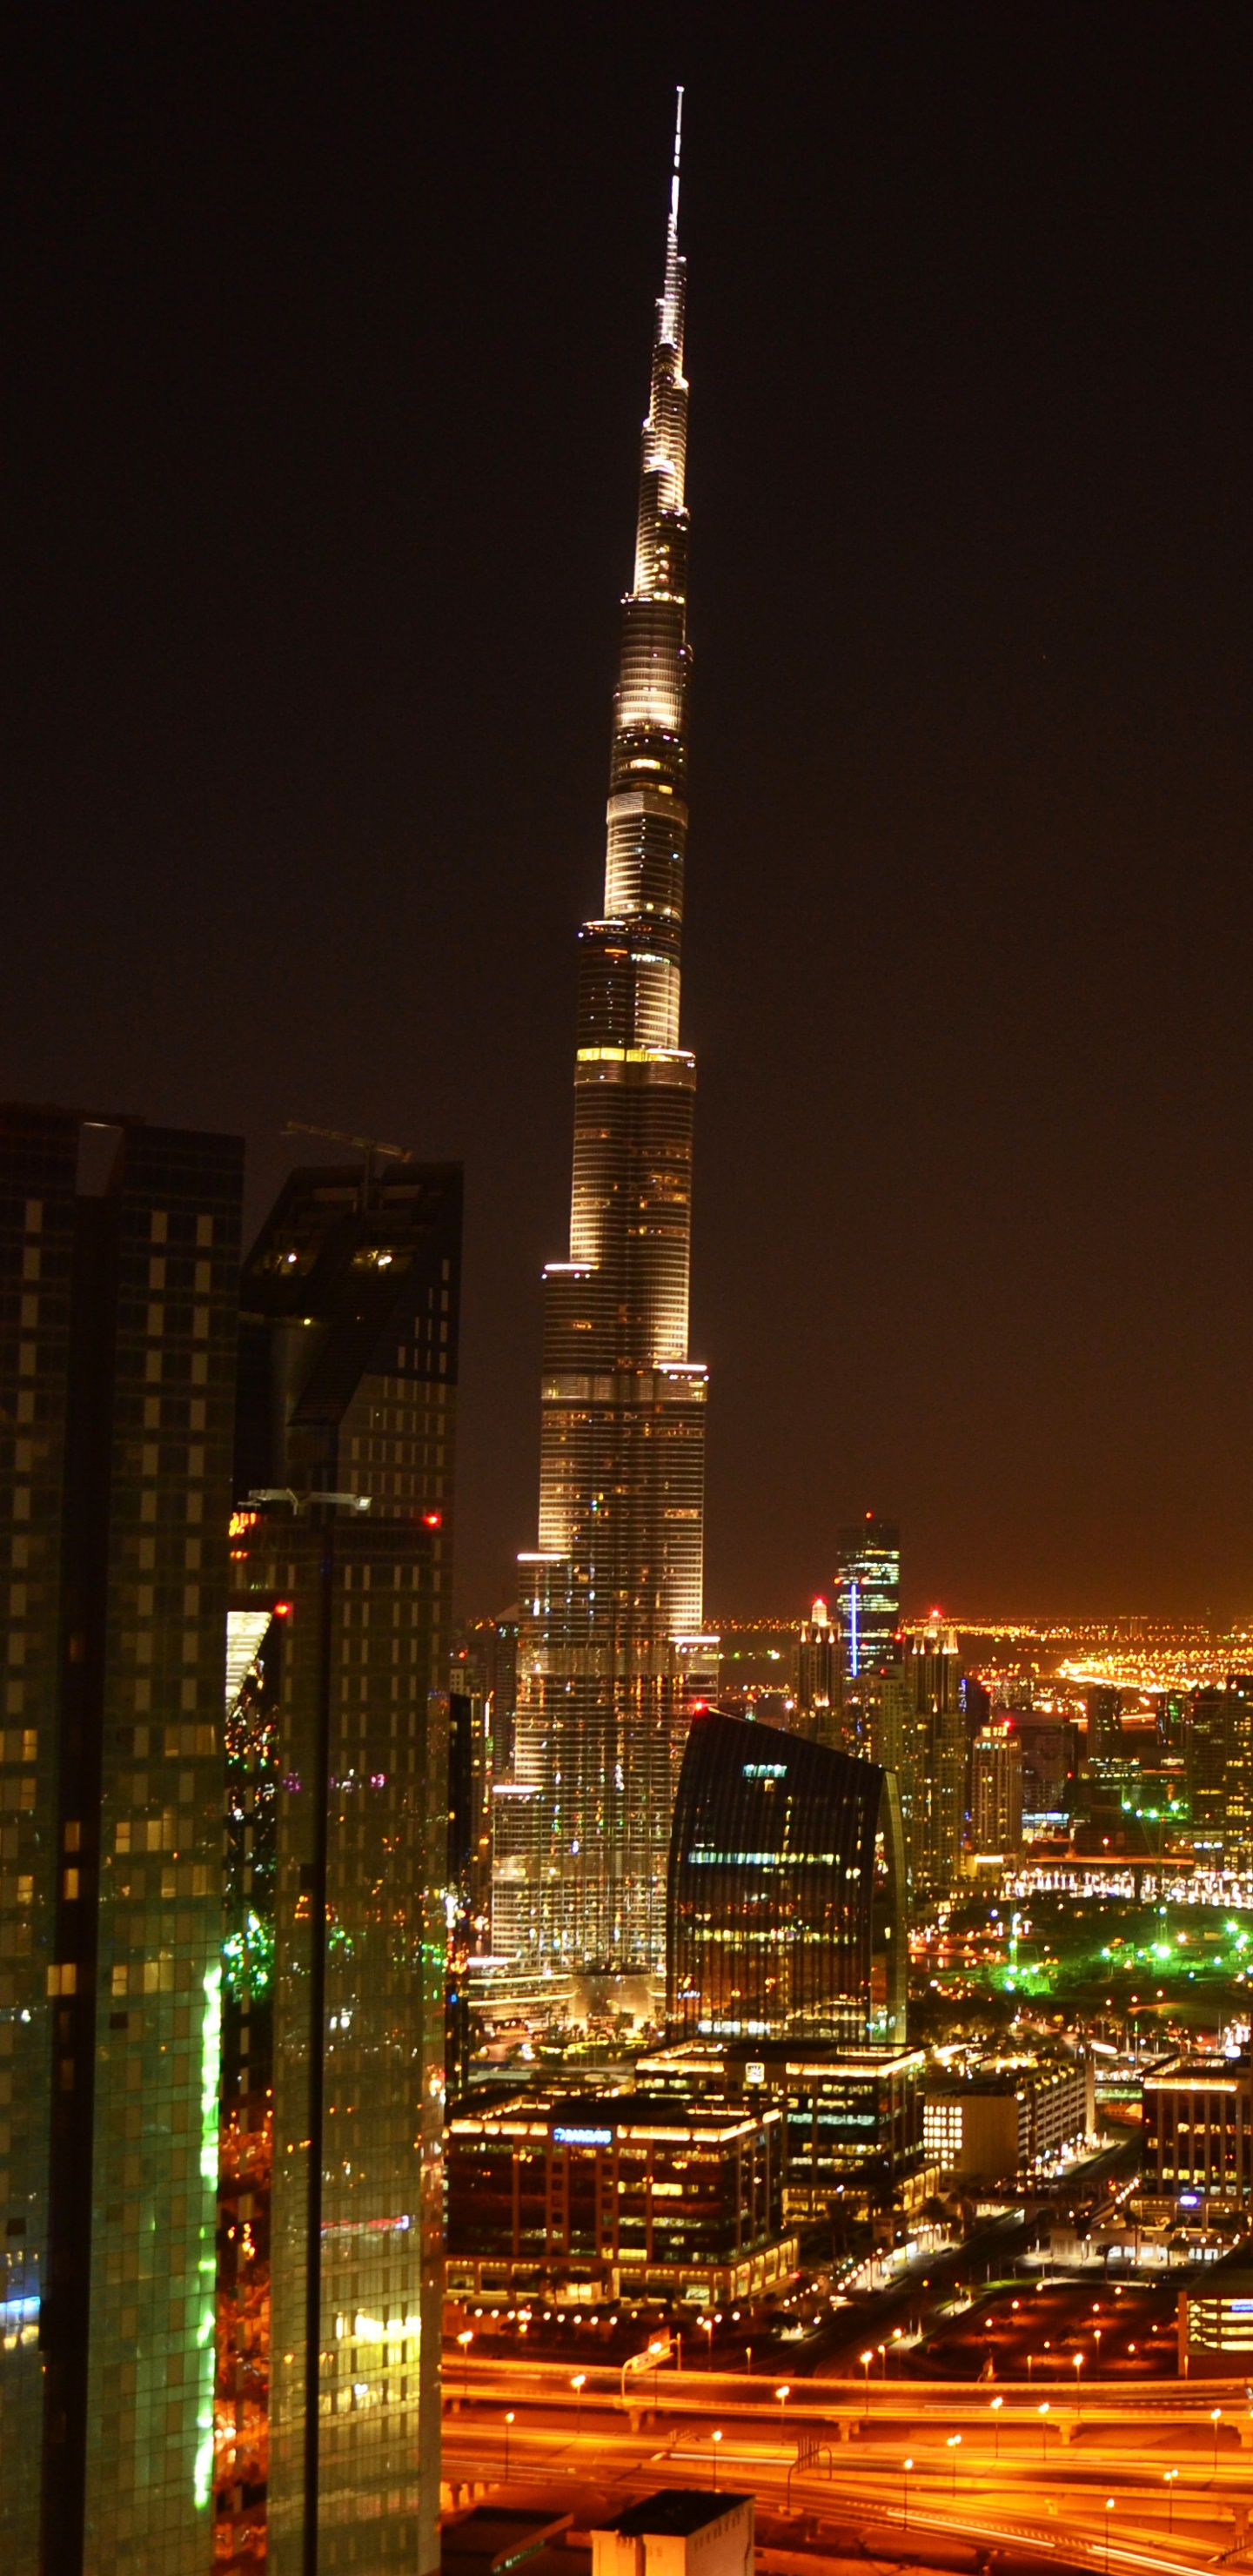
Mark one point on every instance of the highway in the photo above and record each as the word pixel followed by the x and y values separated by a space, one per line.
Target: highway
pixel 1143 2479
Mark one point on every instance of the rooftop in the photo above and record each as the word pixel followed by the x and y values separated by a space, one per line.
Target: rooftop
pixel 674 2512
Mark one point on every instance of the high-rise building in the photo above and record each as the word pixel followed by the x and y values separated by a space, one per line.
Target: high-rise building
pixel 818 1677
pixel 119 1246
pixel 468 1897
pixel 1209 1746
pixel 485 1664
pixel 997 1787
pixel 333 2039
pixel 1104 1714
pixel 610 1637
pixel 937 1764
pixel 786 1890
pixel 868 1594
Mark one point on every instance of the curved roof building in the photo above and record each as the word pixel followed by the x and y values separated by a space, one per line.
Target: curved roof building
pixel 786 1898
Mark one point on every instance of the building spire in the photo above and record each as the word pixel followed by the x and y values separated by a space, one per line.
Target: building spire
pixel 678 146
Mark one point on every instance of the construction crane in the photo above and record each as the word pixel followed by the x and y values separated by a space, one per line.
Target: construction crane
pixel 368 1146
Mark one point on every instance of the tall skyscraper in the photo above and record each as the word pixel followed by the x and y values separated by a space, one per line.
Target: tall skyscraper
pixel 786 1890
pixel 996 1774
pixel 333 2028
pixel 868 1595
pixel 119 1246
pixel 936 1762
pixel 611 1603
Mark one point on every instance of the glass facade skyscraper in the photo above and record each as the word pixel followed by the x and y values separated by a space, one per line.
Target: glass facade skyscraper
pixel 868 1595
pixel 330 2281
pixel 787 1876
pixel 611 1602
pixel 119 1250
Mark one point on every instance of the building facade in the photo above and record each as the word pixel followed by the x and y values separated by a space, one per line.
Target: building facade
pixel 854 2115
pixel 936 1763
pixel 610 1648
pixel 119 1246
pixel 868 1594
pixel 786 1890
pixel 996 1786
pixel 1197 2136
pixel 614 2196
pixel 1004 2123
pixel 330 2283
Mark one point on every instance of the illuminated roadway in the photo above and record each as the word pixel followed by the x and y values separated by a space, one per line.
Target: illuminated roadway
pixel 1078 2488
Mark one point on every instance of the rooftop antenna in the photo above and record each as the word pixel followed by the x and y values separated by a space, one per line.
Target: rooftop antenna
pixel 678 146
pixel 367 1146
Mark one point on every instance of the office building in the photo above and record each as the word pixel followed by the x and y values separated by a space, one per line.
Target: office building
pixel 616 2196
pixel 1197 2137
pixel 1218 1771
pixel 1216 2320
pixel 1104 1715
pixel 936 1730
pixel 868 1594
pixel 120 1249
pixel 854 2115
pixel 996 1761
pixel 336 1956
pixel 1008 2122
pixel 1238 1819
pixel 786 1891
pixel 468 1898
pixel 610 1651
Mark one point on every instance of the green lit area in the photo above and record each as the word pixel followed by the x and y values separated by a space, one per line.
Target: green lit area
pixel 248 1959
pixel 1092 1954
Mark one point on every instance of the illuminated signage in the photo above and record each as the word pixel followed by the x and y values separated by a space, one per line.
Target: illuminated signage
pixel 582 2137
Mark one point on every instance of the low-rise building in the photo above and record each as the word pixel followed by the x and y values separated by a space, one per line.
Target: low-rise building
pixel 680 2531
pixel 854 2115
pixel 1000 2122
pixel 1197 2137
pixel 610 2194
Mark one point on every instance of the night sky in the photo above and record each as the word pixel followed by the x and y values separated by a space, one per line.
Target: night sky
pixel 325 352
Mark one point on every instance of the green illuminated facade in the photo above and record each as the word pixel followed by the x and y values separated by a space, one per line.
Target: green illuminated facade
pixel 119 1249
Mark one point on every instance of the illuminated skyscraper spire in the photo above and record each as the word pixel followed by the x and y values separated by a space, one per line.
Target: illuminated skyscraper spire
pixel 612 1603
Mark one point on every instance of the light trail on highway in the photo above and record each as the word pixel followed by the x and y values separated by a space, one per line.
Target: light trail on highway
pixel 1055 2508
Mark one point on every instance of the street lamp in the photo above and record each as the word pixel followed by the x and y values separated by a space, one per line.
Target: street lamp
pixel 1109 2507
pixel 716 2439
pixel 1079 2381
pixel 882 2351
pixel 465 2340
pixel 1042 2412
pixel 1216 2417
pixel 866 2359
pixel 508 2422
pixel 908 2466
pixel 1168 2481
pixel 997 2404
pixel 708 2324
pixel 953 2444
pixel 578 2384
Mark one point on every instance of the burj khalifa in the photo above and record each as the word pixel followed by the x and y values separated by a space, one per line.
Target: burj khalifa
pixel 611 1656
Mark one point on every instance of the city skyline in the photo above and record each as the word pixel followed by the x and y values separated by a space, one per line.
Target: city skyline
pixel 968 733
